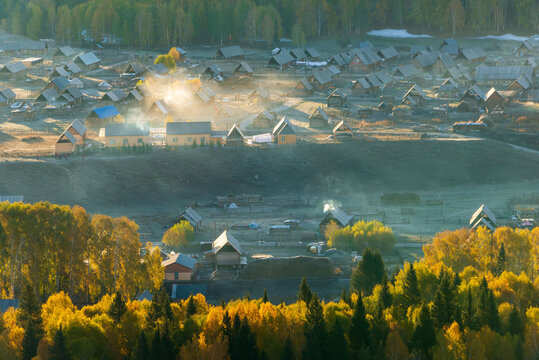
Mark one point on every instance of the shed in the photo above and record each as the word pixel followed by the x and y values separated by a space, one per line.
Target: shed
pixel 304 86
pixel 264 120
pixel 191 216
pixel 342 131
pixel 243 69
pixel 179 267
pixel 337 98
pixel 88 61
pixel 318 118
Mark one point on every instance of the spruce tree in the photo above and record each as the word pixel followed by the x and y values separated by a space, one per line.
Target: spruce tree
pixel 411 293
pixel 142 351
pixel 288 351
pixel 424 336
pixel 378 332
pixel 487 311
pixel 369 271
pixel 244 345
pixel 337 344
pixel 155 352
pixel 385 296
pixel 30 341
pixel 515 325
pixel 359 329
pixel 315 331
pixel 305 293
pixel 265 296
pixel 438 310
pixel 58 349
pixel 118 308
pixel 29 317
pixel 168 352
pixel 501 261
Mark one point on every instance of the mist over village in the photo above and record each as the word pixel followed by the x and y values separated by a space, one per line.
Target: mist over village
pixel 269 180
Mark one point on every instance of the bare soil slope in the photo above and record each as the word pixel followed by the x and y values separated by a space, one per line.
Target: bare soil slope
pixel 165 180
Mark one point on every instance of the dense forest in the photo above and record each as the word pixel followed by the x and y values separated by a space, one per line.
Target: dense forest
pixel 475 295
pixel 162 23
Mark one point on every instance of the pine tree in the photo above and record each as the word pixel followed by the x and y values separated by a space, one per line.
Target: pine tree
pixel 487 311
pixel 30 317
pixel 142 351
pixel 515 325
pixel 501 261
pixel 369 271
pixel 288 351
pixel 424 336
pixel 359 329
pixel 117 308
pixel 58 350
pixel 468 315
pixel 191 307
pixel 168 352
pixel 315 331
pixel 345 297
pixel 244 345
pixel 338 346
pixel 265 296
pixel 438 310
pixel 411 293
pixel 378 332
pixel 30 341
pixel 305 293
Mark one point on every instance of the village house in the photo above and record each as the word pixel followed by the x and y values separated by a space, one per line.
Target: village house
pixel 264 120
pixel 235 136
pixel 99 117
pixel 474 55
pixel 59 84
pixel 7 97
pixel 134 70
pixel 406 71
pixel 214 71
pixel 73 69
pixel 22 111
pixel 159 112
pixel 342 131
pixel 494 100
pixel 501 75
pixel 334 71
pixel 229 52
pixel 73 137
pixel 363 59
pixel 192 217
pixel 388 54
pixel 483 217
pixel 521 85
pixel 415 96
pixel 312 53
pixel 361 86
pixel 283 133
pixel 47 96
pixel 321 79
pixel 88 61
pixel 425 61
pixel 383 77
pixel 62 54
pixel 375 83
pixel 442 63
pixel 188 133
pixel 333 214
pixel 337 98
pixel 117 135
pixel 450 47
pixel 528 47
pixel 318 118
pixel 259 96
pixel 59 72
pixel 13 71
pixel 179 267
pixel 114 96
pixel 304 86
pixel 226 251
pixel 298 54
pixel 75 94
pixel 474 96
pixel 243 69
pixel 134 97
pixel 281 60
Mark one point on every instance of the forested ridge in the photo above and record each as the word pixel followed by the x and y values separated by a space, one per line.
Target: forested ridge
pixel 161 23
pixel 475 295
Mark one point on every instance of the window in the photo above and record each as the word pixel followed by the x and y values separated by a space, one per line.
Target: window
pixel 175 140
pixel 283 138
pixel 112 142
pixel 189 139
pixel 126 141
pixel 202 140
pixel 139 141
pixel 176 276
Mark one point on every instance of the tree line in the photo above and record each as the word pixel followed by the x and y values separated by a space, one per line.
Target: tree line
pixel 152 24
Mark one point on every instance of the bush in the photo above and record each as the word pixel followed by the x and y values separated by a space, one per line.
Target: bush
pixel 357 237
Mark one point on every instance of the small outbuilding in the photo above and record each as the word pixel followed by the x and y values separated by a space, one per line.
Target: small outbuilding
pixel 342 131
pixel 337 98
pixel 318 118
pixel 483 217
pixel 283 133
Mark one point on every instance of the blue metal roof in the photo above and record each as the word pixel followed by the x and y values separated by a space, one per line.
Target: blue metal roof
pixel 183 291
pixel 106 111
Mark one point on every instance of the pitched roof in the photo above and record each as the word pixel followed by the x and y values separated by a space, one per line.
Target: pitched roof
pixel 283 127
pixel 415 90
pixel 426 59
pixel 74 92
pixel 73 68
pixel 373 80
pixel 407 70
pixel 342 126
pixel 337 93
pixel 322 76
pixel 522 80
pixel 78 127
pixel 60 82
pixel 531 62
pixel 416 49
pixel 213 69
pixel 244 67
pixel 475 92
pixel 223 239
pixel 188 128
pixel 298 53
pixel 88 58
pixel 182 259
pixel 14 67
pixel 160 106
pixel 158 68
pixel 312 52
pixel 383 77
pixel 48 95
pixel 473 53
pixel 64 51
pixel 362 82
pixel 281 59
pixel 388 53
pixel 334 70
pixel 446 60
pixel 366 55
pixel 486 73
pixel 126 130
pixel 66 134
pixel 134 68
pixel 305 83
pixel 59 71
pixel 230 51
pixel 192 216
pixel 338 214
pixel 114 95
pixel 106 112
pixel 483 209
pixel 7 93
pixel 319 112
pixel 135 95
pixel 235 132
pixel 492 92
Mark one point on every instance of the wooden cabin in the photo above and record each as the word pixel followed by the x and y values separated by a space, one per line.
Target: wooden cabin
pixel 188 133
pixel 318 118
pixel 179 267
pixel 337 98
pixel 192 217
pixel 483 217
pixel 117 135
pixel 235 136
pixel 226 251
pixel 73 137
pixel 342 131
pixel 264 120
pixel 104 115
pixel 336 215
pixel 283 133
